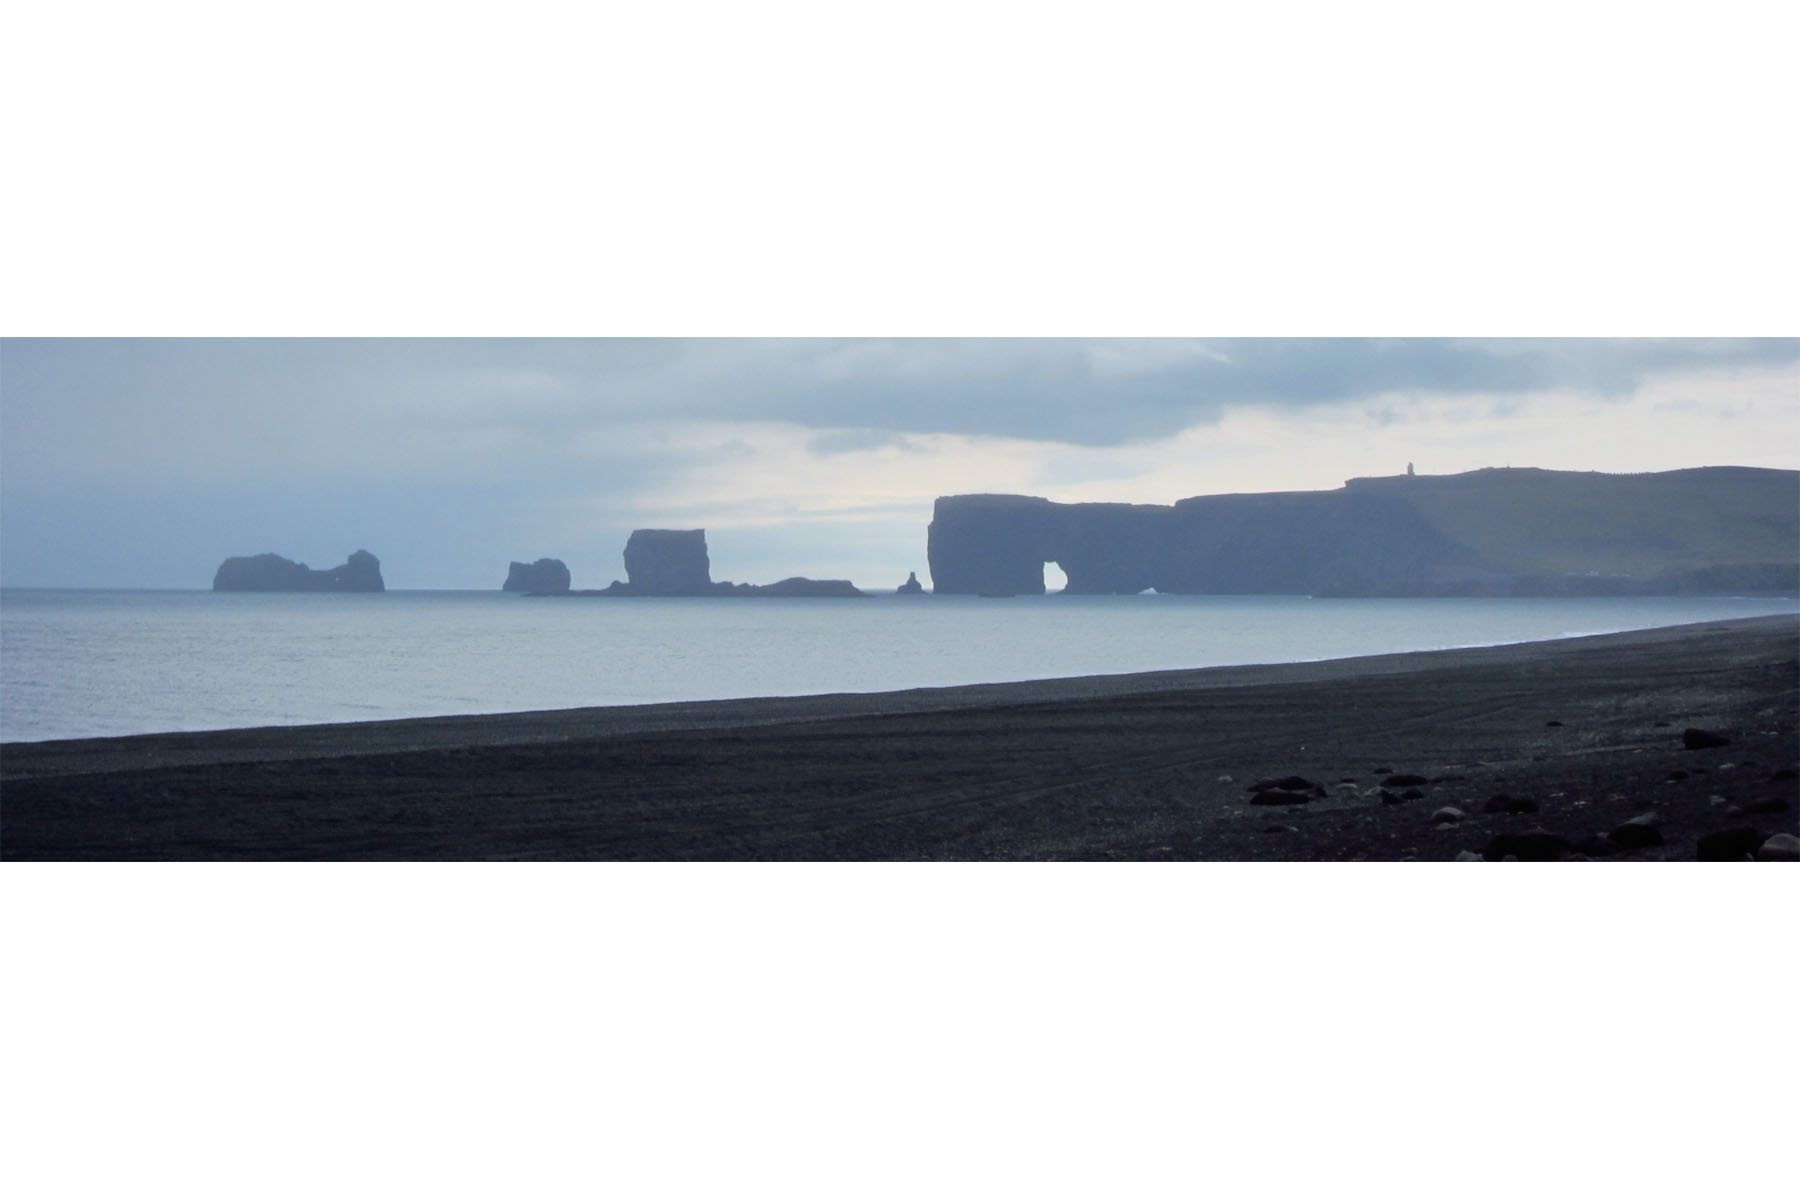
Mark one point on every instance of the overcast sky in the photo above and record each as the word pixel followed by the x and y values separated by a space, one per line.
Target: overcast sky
pixel 146 462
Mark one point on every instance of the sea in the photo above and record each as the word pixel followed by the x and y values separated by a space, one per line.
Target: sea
pixel 89 663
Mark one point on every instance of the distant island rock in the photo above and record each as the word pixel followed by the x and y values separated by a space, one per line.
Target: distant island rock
pixel 797 585
pixel 547 575
pixel 668 562
pixel 912 586
pixel 273 573
pixel 674 562
pixel 1494 532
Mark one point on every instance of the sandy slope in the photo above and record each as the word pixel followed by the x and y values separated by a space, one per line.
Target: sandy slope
pixel 1587 730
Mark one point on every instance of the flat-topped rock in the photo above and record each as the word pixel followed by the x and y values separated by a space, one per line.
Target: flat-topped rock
pixel 547 575
pixel 668 562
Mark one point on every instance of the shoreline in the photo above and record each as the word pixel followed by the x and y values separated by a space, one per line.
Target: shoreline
pixel 1101 766
pixel 547 724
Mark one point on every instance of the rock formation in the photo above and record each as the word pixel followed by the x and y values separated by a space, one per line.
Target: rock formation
pixel 797 585
pixel 912 586
pixel 273 573
pixel 1493 532
pixel 674 562
pixel 547 575
pixel 668 562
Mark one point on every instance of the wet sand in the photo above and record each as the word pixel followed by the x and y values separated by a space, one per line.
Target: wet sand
pixel 1577 737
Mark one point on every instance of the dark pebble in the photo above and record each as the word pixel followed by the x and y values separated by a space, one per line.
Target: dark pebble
pixel 1552 724
pixel 1388 797
pixel 1412 794
pixel 1783 847
pixel 1675 776
pixel 1281 798
pixel 1768 804
pixel 1404 781
pixel 1292 783
pixel 1703 739
pixel 1504 803
pixel 1730 845
pixel 1595 846
pixel 1784 774
pixel 1536 846
pixel 1637 833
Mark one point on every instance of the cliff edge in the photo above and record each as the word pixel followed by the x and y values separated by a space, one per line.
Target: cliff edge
pixel 1496 532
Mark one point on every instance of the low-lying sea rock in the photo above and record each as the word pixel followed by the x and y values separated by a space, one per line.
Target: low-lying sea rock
pixel 273 573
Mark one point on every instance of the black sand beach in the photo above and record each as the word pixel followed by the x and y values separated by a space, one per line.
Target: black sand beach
pixel 1563 749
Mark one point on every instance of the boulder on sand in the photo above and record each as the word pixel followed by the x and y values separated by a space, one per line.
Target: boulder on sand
pixel 1783 847
pixel 1637 834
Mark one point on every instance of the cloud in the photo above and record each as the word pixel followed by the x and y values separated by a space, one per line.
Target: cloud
pixel 461 453
pixel 847 441
pixel 405 404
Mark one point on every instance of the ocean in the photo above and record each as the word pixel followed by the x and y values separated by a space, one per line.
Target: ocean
pixel 103 663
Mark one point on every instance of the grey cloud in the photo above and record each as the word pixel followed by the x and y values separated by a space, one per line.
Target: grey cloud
pixel 848 441
pixel 132 452
pixel 1079 391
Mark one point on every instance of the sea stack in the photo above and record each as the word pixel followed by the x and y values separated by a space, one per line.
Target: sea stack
pixel 912 586
pixel 546 575
pixel 273 573
pixel 668 562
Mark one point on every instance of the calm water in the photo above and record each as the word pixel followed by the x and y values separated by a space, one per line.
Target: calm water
pixel 86 663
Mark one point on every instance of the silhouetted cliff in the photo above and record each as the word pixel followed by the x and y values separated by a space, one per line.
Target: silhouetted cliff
pixel 1492 532
pixel 273 573
pixel 545 575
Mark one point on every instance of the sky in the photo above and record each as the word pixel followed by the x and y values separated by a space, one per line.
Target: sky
pixel 146 462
